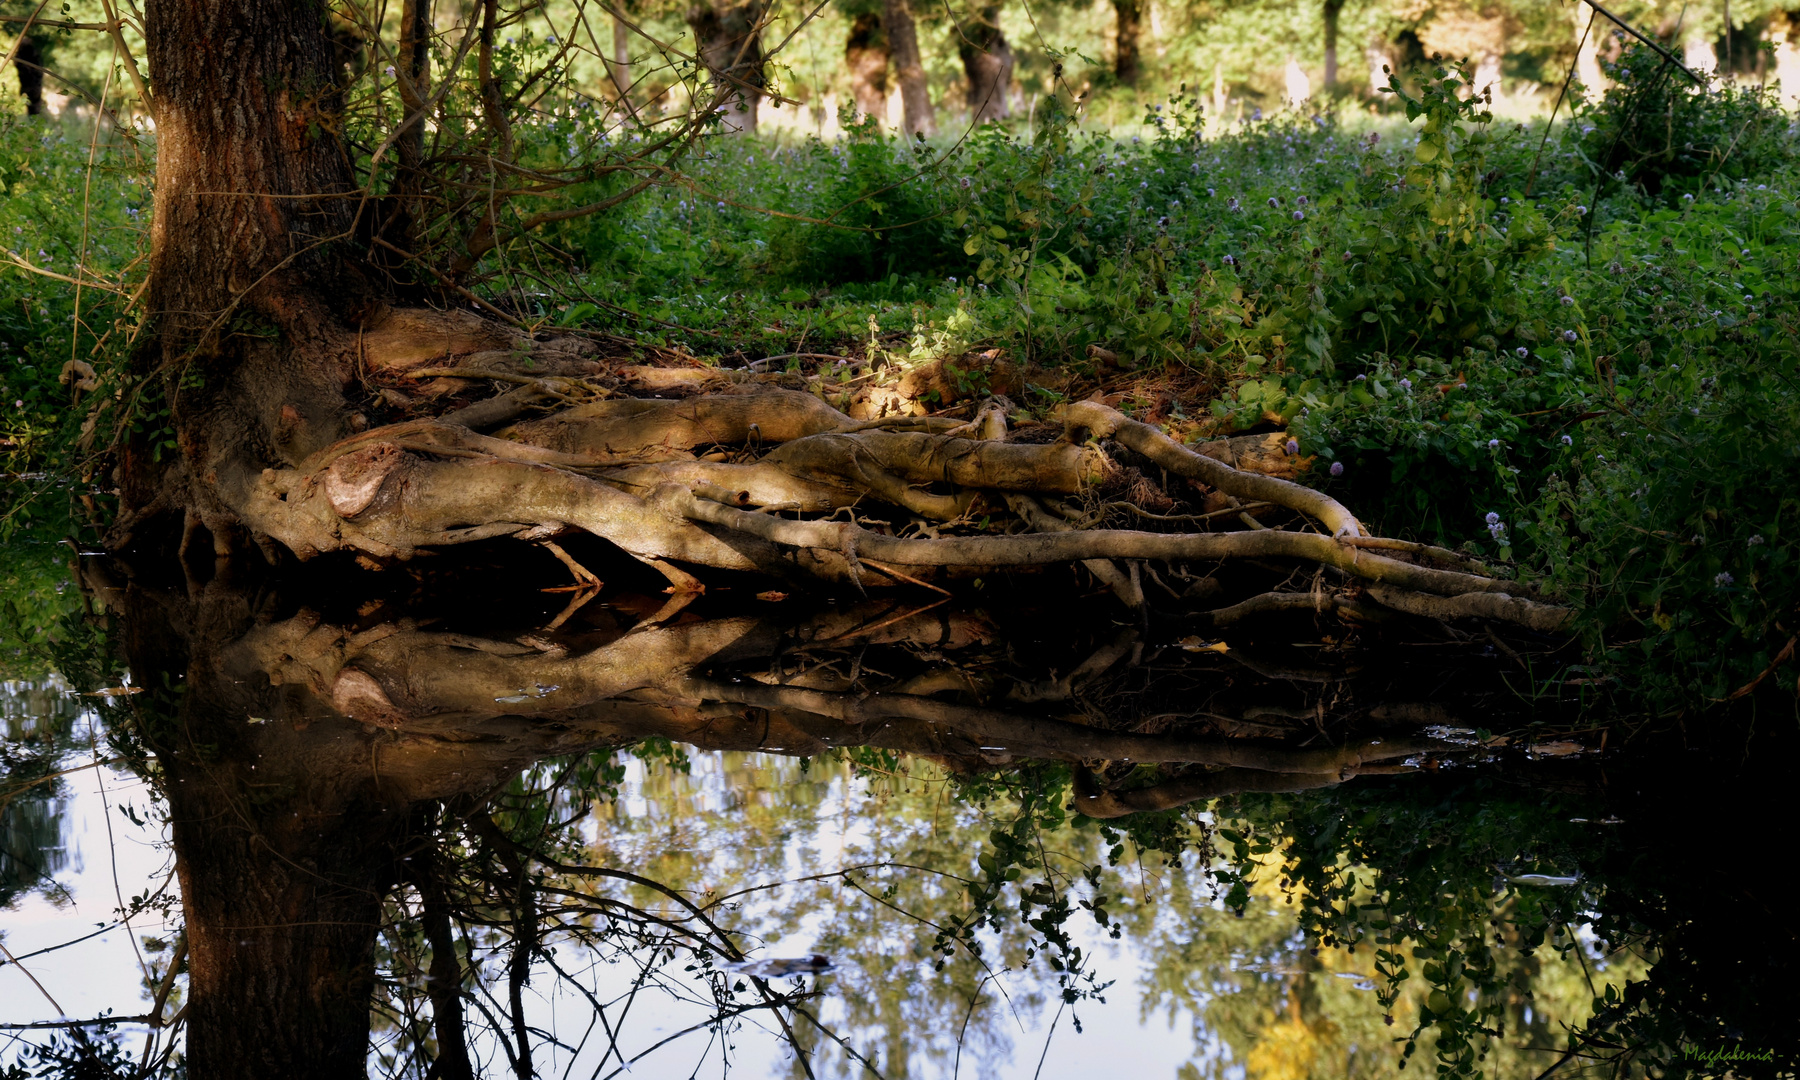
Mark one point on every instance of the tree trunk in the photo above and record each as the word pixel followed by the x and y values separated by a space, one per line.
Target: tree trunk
pixel 1587 51
pixel 730 45
pixel 620 65
pixel 249 285
pixel 988 64
pixel 866 55
pixel 1126 58
pixel 29 63
pixel 909 68
pixel 1332 8
pixel 414 79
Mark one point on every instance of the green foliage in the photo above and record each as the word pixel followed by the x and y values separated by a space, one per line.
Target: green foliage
pixel 862 214
pixel 1657 132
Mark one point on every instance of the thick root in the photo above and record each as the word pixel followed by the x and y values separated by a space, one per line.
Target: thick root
pixel 1171 455
pixel 676 427
pixel 625 470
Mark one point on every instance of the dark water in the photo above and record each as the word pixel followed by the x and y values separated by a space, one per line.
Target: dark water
pixel 1016 831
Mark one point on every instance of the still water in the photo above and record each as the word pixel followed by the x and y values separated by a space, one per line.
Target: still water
pixel 351 824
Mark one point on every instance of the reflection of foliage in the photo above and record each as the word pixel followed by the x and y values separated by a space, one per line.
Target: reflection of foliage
pixel 38 731
pixel 1423 881
pixel 96 1052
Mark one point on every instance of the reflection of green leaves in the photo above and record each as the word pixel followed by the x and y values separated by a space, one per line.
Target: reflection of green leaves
pixel 1412 876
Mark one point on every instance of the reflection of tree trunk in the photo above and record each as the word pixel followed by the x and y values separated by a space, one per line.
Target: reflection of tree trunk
pixel 29 63
pixel 284 845
pixel 730 44
pixel 443 984
pixel 866 55
pixel 988 64
pixel 909 67
pixel 282 906
pixel 1125 57
pixel 1332 8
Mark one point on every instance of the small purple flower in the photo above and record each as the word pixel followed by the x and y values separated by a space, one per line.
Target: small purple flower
pixel 1568 440
pixel 1521 352
pixel 1231 204
pixel 1273 201
pixel 1209 191
pixel 1347 256
pixel 389 70
pixel 1301 201
pixel 1570 335
pixel 1497 530
pixel 1406 384
pixel 1568 301
pixel 1299 215
pixel 1492 519
pixel 1231 260
pixel 1722 579
pixel 1756 541
pixel 1359 378
pixel 1337 468
pixel 1292 446
pixel 1493 444
pixel 1581 211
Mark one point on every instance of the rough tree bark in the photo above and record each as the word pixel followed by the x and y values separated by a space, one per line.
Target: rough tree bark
pixel 987 64
pixel 729 39
pixel 866 57
pixel 909 68
pixel 1126 57
pixel 257 307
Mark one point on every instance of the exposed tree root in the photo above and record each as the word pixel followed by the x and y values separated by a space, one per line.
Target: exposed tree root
pixel 746 476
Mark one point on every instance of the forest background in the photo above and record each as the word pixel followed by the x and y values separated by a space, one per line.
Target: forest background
pixel 1537 345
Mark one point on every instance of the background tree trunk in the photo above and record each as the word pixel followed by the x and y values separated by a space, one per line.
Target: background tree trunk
pixel 730 44
pixel 909 67
pixel 988 64
pixel 415 86
pixel 29 63
pixel 1126 57
pixel 620 65
pixel 1332 10
pixel 866 56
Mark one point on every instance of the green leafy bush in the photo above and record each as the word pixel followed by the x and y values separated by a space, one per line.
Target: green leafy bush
pixel 1657 132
